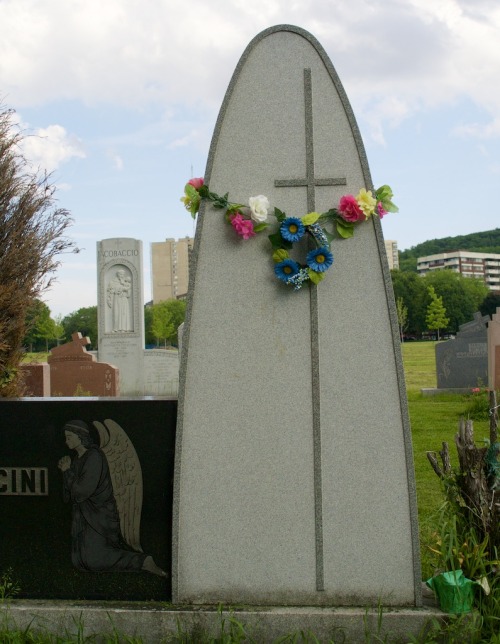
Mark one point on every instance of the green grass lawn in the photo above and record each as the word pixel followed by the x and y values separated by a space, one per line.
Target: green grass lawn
pixel 434 419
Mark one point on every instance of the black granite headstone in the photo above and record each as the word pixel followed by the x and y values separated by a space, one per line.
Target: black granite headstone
pixel 59 529
pixel 462 363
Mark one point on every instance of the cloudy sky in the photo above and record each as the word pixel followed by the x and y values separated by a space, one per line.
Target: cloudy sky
pixel 119 99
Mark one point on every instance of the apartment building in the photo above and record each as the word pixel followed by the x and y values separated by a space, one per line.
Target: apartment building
pixel 170 268
pixel 484 266
pixel 391 249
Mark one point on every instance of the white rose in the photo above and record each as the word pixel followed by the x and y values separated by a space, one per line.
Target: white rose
pixel 259 206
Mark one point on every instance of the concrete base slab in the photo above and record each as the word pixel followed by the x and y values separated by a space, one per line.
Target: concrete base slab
pixel 156 622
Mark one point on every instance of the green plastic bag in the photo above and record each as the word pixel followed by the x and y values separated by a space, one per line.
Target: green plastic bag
pixel 453 590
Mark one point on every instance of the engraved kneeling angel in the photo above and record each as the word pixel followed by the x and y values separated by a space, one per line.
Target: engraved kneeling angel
pixel 104 485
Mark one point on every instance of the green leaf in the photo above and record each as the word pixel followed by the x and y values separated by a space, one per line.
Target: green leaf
pixel 280 254
pixel 277 241
pixel 260 227
pixel 333 213
pixel 390 207
pixel 310 218
pixel 280 216
pixel 345 229
pixel 384 194
pixel 329 236
pixel 314 276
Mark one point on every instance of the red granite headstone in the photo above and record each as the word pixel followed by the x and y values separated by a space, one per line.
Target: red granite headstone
pixel 74 371
pixel 36 379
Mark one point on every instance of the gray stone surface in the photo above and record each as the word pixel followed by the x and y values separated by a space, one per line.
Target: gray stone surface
pixel 294 472
pixel 120 310
pixel 463 361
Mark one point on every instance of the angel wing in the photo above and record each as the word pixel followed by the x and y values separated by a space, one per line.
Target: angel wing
pixel 126 477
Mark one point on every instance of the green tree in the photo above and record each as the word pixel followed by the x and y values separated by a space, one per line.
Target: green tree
pixel 411 289
pixel 490 304
pixel 402 312
pixel 436 313
pixel 166 317
pixel 58 329
pixel 462 296
pixel 161 325
pixel 148 322
pixel 41 327
pixel 46 328
pixel 35 314
pixel 32 236
pixel 85 321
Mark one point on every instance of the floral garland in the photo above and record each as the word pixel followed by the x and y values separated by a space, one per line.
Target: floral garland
pixel 249 220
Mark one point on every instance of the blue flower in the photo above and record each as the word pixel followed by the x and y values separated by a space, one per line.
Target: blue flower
pixel 286 269
pixel 292 229
pixel 319 259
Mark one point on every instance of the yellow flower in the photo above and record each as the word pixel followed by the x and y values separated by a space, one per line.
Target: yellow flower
pixel 366 202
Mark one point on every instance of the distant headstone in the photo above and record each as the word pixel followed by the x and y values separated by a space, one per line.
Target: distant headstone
pixel 36 378
pixel 462 363
pixel 161 372
pixel 74 371
pixel 494 351
pixel 86 497
pixel 120 310
pixel 294 474
pixel 120 315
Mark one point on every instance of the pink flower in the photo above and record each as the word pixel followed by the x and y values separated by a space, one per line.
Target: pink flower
pixel 196 183
pixel 476 390
pixel 381 210
pixel 349 209
pixel 243 227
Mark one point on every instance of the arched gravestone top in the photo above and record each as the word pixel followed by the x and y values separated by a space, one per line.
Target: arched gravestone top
pixel 294 474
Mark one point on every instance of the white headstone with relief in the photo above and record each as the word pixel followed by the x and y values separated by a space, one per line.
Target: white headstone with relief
pixel 120 310
pixel 294 475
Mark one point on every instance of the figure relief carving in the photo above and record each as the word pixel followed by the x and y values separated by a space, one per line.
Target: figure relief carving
pixel 104 485
pixel 119 300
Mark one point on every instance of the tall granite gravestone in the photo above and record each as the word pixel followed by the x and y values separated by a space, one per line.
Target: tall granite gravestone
pixel 494 351
pixel 294 476
pixel 462 363
pixel 120 313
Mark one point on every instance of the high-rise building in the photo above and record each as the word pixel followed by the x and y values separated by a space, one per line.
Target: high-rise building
pixel 484 266
pixel 170 268
pixel 391 249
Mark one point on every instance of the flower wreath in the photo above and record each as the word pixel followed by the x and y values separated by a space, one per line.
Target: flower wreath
pixel 249 220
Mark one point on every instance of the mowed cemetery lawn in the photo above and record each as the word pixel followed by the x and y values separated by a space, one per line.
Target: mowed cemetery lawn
pixel 434 419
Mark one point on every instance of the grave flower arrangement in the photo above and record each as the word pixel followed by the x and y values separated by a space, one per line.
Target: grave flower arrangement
pixel 320 228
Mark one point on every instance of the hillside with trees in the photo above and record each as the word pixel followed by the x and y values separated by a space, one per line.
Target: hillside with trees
pixel 484 242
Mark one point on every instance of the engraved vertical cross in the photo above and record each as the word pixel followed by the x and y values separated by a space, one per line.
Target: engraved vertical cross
pixel 310 181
